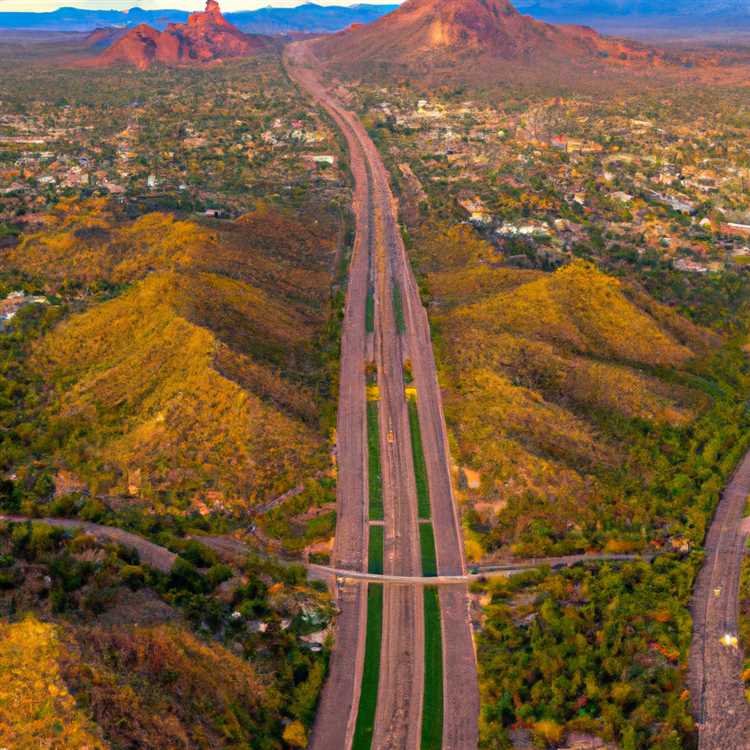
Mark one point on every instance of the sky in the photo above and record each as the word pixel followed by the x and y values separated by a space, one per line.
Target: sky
pixel 226 5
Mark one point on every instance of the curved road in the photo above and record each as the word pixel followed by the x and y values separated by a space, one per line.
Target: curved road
pixel 717 692
pixel 157 557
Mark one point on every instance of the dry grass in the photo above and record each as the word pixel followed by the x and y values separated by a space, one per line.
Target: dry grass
pixel 36 708
pixel 202 375
pixel 163 689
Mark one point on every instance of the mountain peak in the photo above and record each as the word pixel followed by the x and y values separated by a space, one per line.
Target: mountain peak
pixel 463 38
pixel 207 36
pixel 212 15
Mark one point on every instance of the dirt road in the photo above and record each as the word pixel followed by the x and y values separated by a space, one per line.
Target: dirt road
pixel 399 706
pixel 717 692
pixel 159 558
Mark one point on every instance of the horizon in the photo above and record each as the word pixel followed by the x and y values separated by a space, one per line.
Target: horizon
pixel 230 6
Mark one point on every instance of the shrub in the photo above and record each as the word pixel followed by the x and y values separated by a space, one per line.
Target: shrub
pixel 133 576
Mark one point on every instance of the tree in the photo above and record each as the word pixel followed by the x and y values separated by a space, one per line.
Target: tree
pixel 295 734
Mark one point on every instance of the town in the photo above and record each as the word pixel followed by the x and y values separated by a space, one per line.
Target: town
pixel 617 179
pixel 208 143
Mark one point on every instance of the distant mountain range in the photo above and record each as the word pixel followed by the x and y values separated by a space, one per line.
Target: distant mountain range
pixel 618 14
pixel 309 17
pixel 609 16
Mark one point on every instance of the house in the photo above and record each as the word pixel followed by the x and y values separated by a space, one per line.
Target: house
pixel 689 266
pixel 536 229
pixel 619 195
pixel 735 230
pixel 477 211
pixel 14 302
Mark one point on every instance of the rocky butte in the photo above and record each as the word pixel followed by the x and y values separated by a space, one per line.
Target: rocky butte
pixel 206 37
pixel 481 41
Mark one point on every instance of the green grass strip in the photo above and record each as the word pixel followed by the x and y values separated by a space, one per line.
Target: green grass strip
pixel 420 467
pixel 375 477
pixel 432 708
pixel 398 309
pixel 427 545
pixel 375 550
pixel 370 311
pixel 368 697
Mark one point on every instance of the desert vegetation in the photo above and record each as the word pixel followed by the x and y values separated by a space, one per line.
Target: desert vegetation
pixel 102 649
pixel 203 377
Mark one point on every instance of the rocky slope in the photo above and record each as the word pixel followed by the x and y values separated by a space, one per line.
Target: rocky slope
pixel 206 37
pixel 486 41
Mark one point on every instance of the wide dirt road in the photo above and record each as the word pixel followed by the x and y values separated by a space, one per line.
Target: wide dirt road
pixel 399 707
pixel 717 692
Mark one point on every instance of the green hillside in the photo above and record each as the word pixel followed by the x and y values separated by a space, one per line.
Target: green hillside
pixel 192 369
pixel 557 386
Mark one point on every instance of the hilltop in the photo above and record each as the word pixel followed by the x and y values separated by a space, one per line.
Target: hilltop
pixel 206 37
pixel 200 376
pixel 550 377
pixel 486 41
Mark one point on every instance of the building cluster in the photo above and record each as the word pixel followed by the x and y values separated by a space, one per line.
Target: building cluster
pixel 546 178
pixel 186 147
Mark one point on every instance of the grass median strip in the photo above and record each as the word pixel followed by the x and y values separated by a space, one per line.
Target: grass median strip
pixel 432 707
pixel 420 467
pixel 370 310
pixel 368 697
pixel 427 546
pixel 398 309
pixel 375 477
pixel 375 550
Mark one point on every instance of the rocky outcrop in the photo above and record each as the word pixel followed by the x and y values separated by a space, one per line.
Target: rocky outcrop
pixel 206 37
pixel 476 39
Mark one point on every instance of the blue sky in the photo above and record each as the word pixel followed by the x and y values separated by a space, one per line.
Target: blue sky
pixel 227 5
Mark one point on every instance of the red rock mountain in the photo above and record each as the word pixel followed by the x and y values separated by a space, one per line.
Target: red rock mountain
pixel 205 37
pixel 473 37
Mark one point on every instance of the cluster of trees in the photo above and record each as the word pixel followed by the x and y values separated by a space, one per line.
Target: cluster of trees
pixel 87 579
pixel 595 650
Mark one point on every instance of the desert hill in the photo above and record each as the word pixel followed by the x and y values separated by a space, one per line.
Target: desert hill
pixel 450 32
pixel 549 376
pixel 484 41
pixel 200 375
pixel 206 37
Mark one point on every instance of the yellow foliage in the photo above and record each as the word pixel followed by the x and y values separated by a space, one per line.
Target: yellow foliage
pixel 549 731
pixel 162 688
pixel 144 379
pixel 527 359
pixel 476 283
pixel 295 735
pixel 36 709
pixel 474 550
pixel 581 309
pixel 620 547
pixel 89 244
pixel 200 374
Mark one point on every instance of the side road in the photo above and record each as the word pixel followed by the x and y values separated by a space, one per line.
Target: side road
pixel 717 692
pixel 159 558
pixel 233 550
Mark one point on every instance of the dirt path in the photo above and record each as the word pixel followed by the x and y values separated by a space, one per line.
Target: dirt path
pixel 159 558
pixel 717 692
